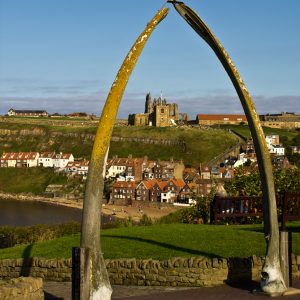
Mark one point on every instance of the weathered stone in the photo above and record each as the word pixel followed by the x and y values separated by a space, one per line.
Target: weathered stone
pixel 22 288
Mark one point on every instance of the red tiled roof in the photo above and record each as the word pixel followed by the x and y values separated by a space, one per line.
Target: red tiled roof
pixel 19 155
pixel 47 155
pixel 78 164
pixel 221 117
pixel 178 182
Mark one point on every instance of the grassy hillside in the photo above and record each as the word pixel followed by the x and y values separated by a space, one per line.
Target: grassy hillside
pixel 162 242
pixel 244 131
pixel 31 180
pixel 194 145
pixel 197 145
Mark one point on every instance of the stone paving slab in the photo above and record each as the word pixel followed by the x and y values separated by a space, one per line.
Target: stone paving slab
pixel 62 291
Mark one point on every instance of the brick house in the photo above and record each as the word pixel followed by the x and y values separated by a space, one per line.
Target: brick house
pixel 166 170
pixel 123 192
pixel 158 187
pixel 174 186
pixel 189 175
pixel 205 172
pixel 143 190
pixel 208 120
pixel 186 193
pixel 204 186
pixel 129 168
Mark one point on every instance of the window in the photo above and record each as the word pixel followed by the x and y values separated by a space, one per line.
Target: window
pixel 162 110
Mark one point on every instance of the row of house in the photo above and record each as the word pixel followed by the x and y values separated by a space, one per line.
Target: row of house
pixel 35 159
pixel 273 143
pixel 136 169
pixel 283 120
pixel 174 191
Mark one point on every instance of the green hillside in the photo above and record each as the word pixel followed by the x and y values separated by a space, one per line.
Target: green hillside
pixel 192 145
pixel 245 132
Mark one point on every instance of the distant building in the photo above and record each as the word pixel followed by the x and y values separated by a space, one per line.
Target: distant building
pixel 208 120
pixel 61 160
pixel 282 120
pixel 295 149
pixel 274 145
pixel 157 113
pixel 46 159
pixel 19 160
pixel 27 113
pixel 80 167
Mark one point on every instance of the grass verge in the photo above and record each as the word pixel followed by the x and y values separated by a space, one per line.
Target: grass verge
pixel 161 242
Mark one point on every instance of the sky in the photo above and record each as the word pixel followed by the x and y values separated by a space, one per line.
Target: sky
pixel 63 55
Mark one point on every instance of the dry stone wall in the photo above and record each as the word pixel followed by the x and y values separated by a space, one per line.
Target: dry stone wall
pixel 195 271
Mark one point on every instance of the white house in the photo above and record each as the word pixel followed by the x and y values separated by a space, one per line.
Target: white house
pixel 272 139
pixel 278 150
pixel 116 167
pixel 166 197
pixel 274 145
pixel 46 159
pixel 19 159
pixel 77 167
pixel 61 160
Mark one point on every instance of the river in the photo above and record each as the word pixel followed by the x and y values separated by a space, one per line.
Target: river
pixel 25 213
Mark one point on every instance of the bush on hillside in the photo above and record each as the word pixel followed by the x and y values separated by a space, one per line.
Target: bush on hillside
pixel 11 236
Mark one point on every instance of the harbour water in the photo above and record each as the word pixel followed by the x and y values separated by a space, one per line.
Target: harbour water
pixel 26 213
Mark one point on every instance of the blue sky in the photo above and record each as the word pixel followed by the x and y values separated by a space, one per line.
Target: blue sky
pixel 63 55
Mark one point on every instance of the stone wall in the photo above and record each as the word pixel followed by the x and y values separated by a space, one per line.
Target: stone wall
pixel 23 288
pixel 196 271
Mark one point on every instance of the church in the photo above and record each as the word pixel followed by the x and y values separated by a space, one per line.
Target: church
pixel 157 113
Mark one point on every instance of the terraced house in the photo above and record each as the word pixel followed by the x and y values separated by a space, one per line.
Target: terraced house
pixel 146 191
pixel 19 160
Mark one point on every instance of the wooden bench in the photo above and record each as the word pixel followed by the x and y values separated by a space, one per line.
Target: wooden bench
pixel 290 208
pixel 235 208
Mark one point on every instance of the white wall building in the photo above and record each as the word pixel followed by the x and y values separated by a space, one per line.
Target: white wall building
pixel 77 167
pixel 274 145
pixel 277 150
pixel 19 160
pixel 115 168
pixel 46 159
pixel 61 160
pixel 166 197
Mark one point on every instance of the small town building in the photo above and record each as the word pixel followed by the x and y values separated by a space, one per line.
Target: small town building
pixel 19 160
pixel 61 160
pixel 46 159
pixel 213 119
pixel 80 167
pixel 27 113
pixel 123 192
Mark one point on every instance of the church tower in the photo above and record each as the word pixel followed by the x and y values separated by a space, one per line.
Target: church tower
pixel 148 104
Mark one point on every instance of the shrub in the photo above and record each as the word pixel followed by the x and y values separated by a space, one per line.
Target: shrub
pixel 145 220
pixel 11 236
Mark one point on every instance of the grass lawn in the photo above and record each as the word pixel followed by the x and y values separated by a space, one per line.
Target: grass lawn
pixel 161 242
